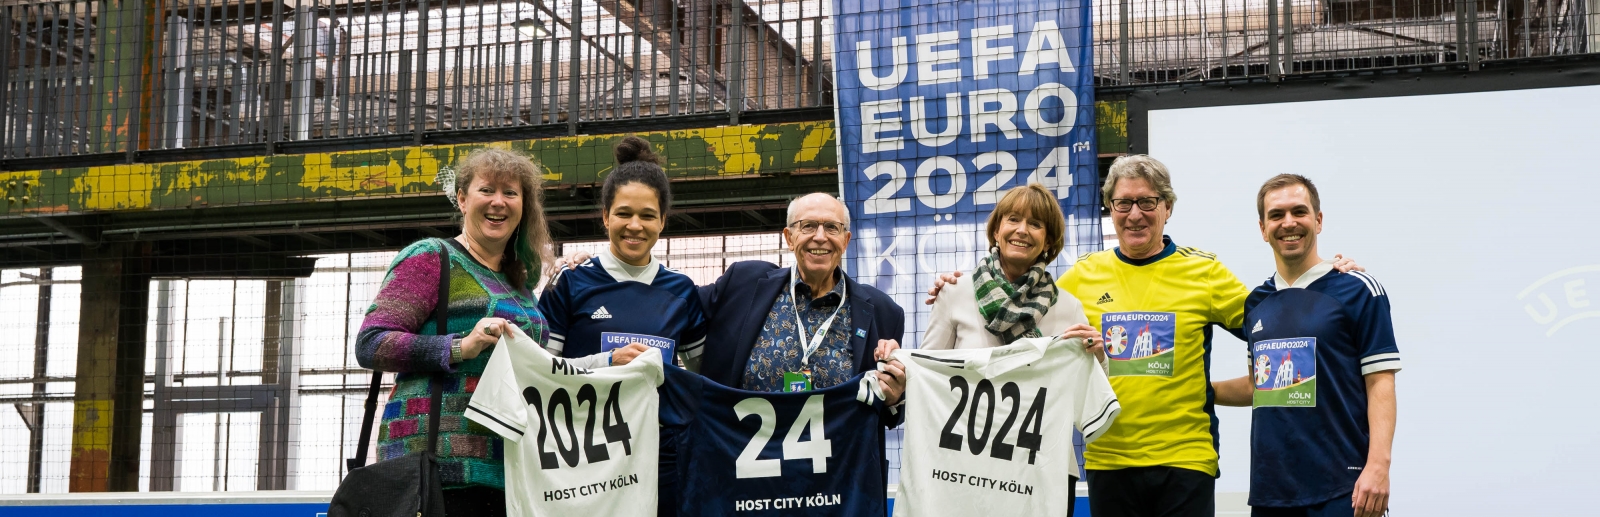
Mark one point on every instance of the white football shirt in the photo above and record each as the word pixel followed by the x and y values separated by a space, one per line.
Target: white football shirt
pixel 988 431
pixel 578 442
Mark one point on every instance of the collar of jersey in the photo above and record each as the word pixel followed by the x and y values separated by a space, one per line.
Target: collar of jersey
pixel 1311 275
pixel 620 274
pixel 838 285
pixel 1165 252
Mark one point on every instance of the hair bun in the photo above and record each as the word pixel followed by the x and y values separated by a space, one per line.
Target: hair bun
pixel 635 149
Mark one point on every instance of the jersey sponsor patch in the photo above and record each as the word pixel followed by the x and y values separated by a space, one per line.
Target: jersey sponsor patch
pixel 814 453
pixel 1140 343
pixel 613 340
pixel 1285 372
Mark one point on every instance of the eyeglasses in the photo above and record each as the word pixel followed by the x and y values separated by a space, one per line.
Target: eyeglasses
pixel 1145 204
pixel 809 227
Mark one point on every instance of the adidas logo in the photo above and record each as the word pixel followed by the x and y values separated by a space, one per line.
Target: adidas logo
pixel 601 314
pixel 1104 299
pixel 1258 327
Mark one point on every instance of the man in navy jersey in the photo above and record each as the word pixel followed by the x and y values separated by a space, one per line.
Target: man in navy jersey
pixel 1322 365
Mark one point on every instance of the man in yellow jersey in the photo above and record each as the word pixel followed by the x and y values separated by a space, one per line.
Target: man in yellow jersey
pixel 1154 303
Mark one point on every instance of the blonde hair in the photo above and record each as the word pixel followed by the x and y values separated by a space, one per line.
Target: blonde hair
pixel 529 254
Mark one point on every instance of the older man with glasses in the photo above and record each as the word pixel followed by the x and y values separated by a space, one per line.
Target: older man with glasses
pixel 804 327
pixel 1154 303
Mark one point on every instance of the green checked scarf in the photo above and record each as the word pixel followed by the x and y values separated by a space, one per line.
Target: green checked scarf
pixel 1012 312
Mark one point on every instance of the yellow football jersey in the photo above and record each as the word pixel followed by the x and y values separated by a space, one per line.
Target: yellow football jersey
pixel 1156 315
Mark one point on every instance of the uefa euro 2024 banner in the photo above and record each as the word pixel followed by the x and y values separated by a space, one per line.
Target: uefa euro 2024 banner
pixel 943 105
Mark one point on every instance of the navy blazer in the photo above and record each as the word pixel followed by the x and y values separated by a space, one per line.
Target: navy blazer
pixel 738 303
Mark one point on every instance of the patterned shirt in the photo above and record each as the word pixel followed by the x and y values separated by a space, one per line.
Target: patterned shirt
pixel 779 346
pixel 398 335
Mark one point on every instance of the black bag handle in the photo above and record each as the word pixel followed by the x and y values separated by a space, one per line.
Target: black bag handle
pixel 435 385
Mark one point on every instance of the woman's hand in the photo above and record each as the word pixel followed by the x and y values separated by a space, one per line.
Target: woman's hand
pixel 626 354
pixel 571 261
pixel 484 334
pixel 1091 339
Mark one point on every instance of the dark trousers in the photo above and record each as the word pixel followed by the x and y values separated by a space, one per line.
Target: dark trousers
pixel 474 501
pixel 1338 507
pixel 1152 492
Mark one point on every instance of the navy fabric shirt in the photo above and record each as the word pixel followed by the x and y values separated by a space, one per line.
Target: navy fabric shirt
pixel 815 453
pixel 599 299
pixel 781 343
pixel 1311 344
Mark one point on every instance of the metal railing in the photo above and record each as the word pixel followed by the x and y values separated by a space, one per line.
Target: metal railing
pixel 1141 42
pixel 102 77
pixel 124 76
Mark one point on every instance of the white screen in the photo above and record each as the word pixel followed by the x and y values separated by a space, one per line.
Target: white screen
pixel 1461 205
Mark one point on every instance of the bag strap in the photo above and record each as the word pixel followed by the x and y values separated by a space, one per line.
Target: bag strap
pixel 366 423
pixel 436 385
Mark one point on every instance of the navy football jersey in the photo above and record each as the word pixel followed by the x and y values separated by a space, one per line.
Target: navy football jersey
pixel 598 302
pixel 1310 345
pixel 757 453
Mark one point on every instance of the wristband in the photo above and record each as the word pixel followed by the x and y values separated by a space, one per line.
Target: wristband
pixel 455 351
pixel 609 357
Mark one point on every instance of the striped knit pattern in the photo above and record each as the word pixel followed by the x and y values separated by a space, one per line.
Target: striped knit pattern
pixel 398 335
pixel 1012 313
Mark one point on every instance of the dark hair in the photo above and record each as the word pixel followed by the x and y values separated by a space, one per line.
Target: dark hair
pixel 636 163
pixel 528 254
pixel 1036 202
pixel 1285 181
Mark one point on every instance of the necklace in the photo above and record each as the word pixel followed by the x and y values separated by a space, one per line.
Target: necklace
pixel 476 256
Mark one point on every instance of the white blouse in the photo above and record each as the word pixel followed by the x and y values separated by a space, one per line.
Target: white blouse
pixel 956 322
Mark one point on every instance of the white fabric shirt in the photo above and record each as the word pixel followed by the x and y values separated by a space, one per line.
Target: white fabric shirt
pixel 989 431
pixel 577 441
pixel 957 324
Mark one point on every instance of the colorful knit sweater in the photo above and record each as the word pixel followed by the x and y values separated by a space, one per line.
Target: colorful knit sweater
pixel 399 335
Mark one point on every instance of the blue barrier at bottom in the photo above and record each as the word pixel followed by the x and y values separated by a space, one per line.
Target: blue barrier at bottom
pixel 170 510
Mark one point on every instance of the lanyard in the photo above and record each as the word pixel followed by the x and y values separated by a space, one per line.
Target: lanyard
pixel 800 324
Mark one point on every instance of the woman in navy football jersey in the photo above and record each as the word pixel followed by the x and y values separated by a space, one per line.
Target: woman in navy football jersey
pixel 607 309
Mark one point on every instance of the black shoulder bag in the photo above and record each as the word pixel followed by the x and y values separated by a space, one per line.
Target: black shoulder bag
pixel 407 486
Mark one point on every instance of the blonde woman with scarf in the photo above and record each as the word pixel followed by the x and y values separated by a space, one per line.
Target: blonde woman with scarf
pixel 1012 295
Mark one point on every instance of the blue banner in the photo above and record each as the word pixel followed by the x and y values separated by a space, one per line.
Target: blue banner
pixel 943 105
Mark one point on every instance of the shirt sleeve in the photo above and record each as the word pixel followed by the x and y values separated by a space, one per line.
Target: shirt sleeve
pixel 1375 328
pixel 941 333
pixel 392 337
pixel 1227 300
pixel 555 306
pixel 1099 407
pixel 496 403
pixel 694 335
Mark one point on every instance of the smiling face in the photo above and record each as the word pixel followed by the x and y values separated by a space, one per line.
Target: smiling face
pixel 491 208
pixel 1021 240
pixel 1139 232
pixel 1289 223
pixel 633 223
pixel 817 253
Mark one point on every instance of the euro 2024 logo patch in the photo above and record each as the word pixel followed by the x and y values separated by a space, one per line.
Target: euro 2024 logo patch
pixel 1285 372
pixel 1140 343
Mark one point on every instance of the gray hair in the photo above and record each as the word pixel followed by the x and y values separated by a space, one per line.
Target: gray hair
pixel 1139 166
pixel 843 209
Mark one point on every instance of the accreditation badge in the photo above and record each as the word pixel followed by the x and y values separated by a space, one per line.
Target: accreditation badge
pixel 794 382
pixel 1285 372
pixel 1140 343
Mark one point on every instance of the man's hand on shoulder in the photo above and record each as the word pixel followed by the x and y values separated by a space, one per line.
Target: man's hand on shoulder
pixel 938 285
